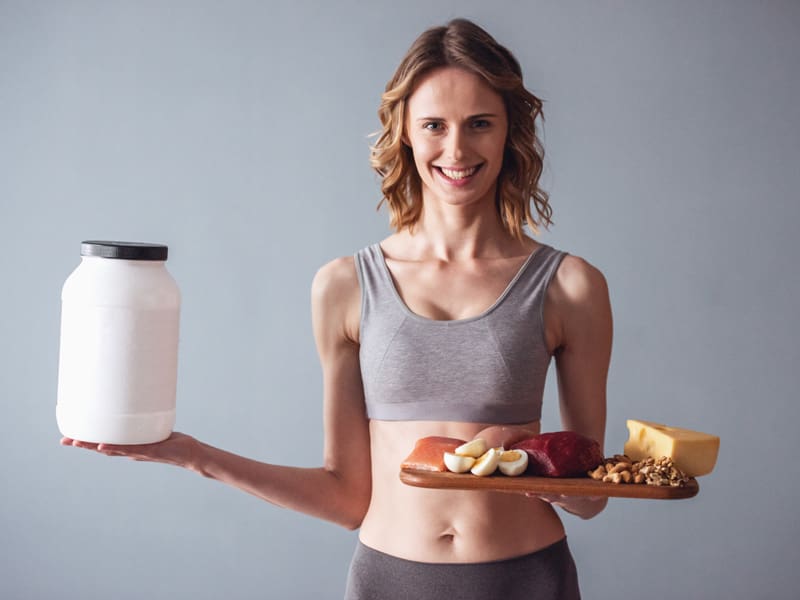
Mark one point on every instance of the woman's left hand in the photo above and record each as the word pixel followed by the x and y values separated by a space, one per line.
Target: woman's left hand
pixel 505 435
pixel 584 507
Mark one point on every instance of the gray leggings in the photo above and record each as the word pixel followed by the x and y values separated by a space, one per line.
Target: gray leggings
pixel 547 574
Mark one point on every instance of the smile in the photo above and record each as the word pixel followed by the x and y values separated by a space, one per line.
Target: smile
pixel 458 174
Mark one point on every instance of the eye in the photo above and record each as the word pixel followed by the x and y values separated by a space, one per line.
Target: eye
pixel 480 124
pixel 432 125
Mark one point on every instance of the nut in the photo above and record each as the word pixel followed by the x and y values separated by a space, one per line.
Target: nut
pixel 598 473
pixel 651 471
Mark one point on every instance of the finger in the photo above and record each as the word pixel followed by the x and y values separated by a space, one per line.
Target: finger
pixel 542 497
pixel 549 498
pixel 101 447
pixel 124 450
pixel 113 453
pixel 115 449
pixel 141 452
pixel 86 445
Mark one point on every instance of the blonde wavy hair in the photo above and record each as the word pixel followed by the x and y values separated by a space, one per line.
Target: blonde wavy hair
pixel 463 44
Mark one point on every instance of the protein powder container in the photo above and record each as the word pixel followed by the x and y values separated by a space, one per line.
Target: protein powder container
pixel 118 360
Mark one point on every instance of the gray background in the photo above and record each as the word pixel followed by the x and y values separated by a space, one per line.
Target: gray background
pixel 237 133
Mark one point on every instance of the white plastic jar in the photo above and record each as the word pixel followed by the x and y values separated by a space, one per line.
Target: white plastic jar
pixel 118 360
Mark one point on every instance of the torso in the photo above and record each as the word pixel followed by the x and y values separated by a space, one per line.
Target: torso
pixel 438 525
pixel 442 525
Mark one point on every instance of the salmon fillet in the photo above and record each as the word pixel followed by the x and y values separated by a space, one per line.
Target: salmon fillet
pixel 428 453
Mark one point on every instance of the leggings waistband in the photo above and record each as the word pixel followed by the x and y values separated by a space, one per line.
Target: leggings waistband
pixel 546 574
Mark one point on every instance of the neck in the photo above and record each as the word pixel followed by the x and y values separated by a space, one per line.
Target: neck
pixel 453 233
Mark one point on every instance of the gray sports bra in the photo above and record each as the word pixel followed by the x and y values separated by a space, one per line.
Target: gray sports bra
pixel 485 369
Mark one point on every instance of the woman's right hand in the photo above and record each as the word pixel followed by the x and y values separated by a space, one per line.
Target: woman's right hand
pixel 178 449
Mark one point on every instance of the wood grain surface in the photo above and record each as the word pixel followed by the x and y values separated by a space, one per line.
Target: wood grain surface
pixel 568 486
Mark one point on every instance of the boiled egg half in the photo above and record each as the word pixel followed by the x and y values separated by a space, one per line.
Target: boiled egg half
pixel 513 462
pixel 456 463
pixel 487 463
pixel 474 448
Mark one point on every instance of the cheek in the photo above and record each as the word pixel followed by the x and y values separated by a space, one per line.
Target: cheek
pixel 498 156
pixel 497 146
pixel 423 154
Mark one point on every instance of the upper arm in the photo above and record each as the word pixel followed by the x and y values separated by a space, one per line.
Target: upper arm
pixel 335 303
pixel 578 298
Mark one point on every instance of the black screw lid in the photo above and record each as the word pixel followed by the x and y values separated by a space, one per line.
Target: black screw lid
pixel 124 250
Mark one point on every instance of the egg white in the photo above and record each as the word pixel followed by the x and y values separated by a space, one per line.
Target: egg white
pixel 513 462
pixel 487 463
pixel 474 448
pixel 458 464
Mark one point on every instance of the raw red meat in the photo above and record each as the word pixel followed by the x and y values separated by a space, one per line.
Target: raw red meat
pixel 428 453
pixel 560 454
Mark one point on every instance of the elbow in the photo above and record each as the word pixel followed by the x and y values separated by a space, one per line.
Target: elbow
pixel 352 519
pixel 353 524
pixel 355 507
pixel 356 516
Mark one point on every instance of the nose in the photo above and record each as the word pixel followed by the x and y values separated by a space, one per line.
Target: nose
pixel 455 145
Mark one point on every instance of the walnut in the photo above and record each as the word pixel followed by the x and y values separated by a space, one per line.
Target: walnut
pixel 651 471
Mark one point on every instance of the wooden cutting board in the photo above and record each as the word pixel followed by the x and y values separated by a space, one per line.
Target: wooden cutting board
pixel 567 486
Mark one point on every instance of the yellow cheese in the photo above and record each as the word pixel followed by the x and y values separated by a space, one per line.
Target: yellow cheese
pixel 693 452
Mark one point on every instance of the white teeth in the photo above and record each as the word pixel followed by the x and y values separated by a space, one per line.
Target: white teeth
pixel 453 174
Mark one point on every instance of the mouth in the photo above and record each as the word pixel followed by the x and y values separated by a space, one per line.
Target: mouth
pixel 458 176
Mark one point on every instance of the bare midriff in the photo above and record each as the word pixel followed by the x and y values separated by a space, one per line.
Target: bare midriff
pixel 447 526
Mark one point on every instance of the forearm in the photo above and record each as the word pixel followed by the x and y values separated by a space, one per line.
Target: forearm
pixel 317 492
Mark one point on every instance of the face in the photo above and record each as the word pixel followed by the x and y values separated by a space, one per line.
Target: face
pixel 456 126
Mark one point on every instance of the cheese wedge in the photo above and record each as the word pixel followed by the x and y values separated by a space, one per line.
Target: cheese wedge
pixel 693 452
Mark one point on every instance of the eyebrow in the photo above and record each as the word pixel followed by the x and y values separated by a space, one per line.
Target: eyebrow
pixel 478 116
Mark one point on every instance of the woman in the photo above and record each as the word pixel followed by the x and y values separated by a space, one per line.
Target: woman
pixel 444 328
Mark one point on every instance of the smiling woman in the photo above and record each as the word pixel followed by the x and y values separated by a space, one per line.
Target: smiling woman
pixel 460 315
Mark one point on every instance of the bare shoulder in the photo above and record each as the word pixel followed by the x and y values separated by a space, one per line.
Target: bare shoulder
pixel 336 297
pixel 578 282
pixel 577 303
pixel 336 277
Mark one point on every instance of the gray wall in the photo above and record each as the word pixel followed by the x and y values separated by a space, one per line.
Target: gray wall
pixel 236 132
